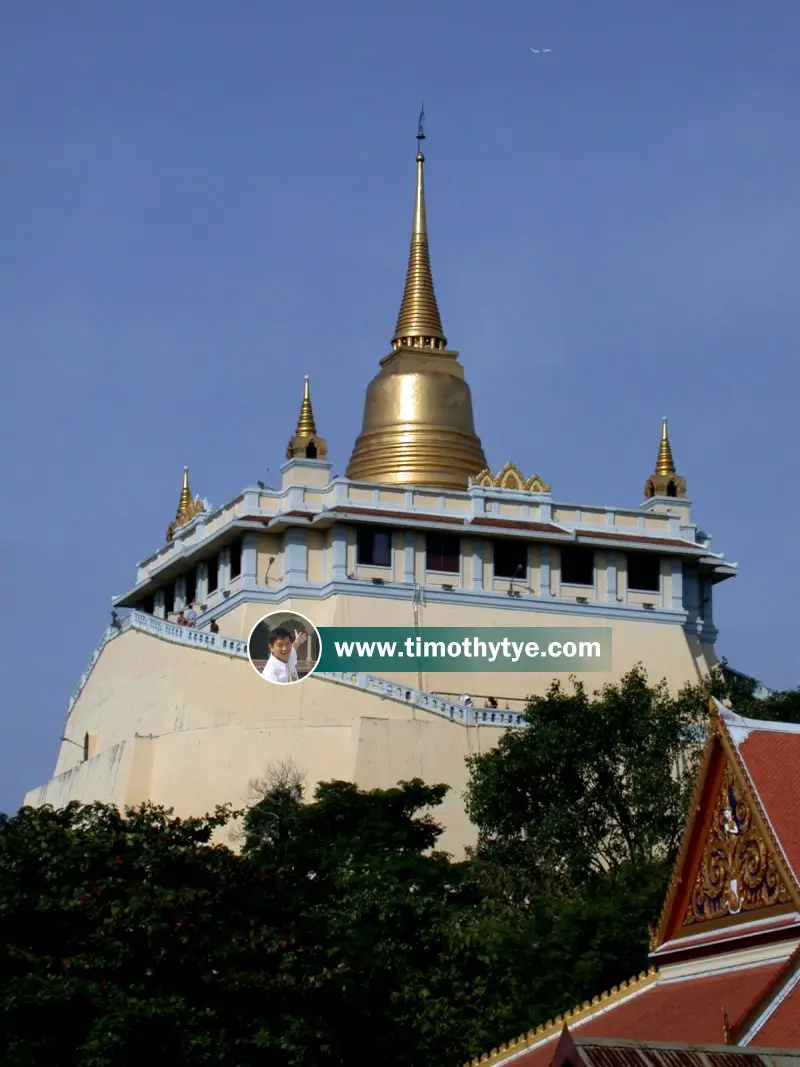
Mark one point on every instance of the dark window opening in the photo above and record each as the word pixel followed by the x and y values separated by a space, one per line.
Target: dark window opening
pixel 236 559
pixel 510 559
pixel 213 573
pixel 671 490
pixel 311 450
pixel 191 587
pixel 443 553
pixel 374 547
pixel 644 572
pixel 149 606
pixel 85 747
pixel 169 599
pixel 577 566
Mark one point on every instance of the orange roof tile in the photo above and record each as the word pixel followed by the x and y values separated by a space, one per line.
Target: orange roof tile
pixel 772 758
pixel 688 1010
pixel 782 1028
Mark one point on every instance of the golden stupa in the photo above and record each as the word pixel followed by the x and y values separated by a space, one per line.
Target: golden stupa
pixel 418 426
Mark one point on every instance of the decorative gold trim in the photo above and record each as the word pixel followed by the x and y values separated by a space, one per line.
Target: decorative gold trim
pixel 551 1029
pixel 719 735
pixel 759 814
pixel 510 477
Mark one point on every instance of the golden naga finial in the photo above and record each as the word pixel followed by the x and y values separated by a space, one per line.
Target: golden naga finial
pixel 306 444
pixel 665 481
pixel 188 507
pixel 419 324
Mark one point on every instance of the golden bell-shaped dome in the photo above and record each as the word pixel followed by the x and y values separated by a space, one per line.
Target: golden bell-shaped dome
pixel 418 426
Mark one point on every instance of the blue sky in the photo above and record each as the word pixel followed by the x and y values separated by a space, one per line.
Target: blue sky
pixel 202 201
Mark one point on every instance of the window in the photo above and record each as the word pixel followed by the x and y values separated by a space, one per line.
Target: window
pixel 510 559
pixel 374 547
pixel 644 572
pixel 236 559
pixel 191 587
pixel 149 606
pixel 443 553
pixel 577 566
pixel 213 573
pixel 169 600
pixel 311 450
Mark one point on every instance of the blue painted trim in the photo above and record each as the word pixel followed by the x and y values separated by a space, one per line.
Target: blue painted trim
pixel 677 584
pixel 338 552
pixel 545 579
pixel 611 577
pixel 477 563
pixel 295 559
pixel 464 598
pixel 408 556
pixel 249 558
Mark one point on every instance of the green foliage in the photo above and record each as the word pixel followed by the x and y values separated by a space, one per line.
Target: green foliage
pixel 779 706
pixel 339 934
pixel 591 784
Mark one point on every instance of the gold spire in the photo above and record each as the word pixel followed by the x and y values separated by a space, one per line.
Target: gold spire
pixel 665 481
pixel 306 427
pixel 186 495
pixel 188 507
pixel 419 324
pixel 418 426
pixel 665 464
pixel 306 444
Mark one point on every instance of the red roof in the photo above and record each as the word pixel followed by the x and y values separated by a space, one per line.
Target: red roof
pixel 782 1028
pixel 687 1010
pixel 772 758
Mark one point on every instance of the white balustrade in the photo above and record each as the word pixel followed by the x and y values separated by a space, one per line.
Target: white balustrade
pixel 237 648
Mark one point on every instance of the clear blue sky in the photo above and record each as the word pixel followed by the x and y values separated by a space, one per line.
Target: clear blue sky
pixel 202 201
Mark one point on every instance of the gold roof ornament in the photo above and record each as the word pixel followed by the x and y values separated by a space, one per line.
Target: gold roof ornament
pixel 306 444
pixel 188 507
pixel 664 481
pixel 418 426
pixel 510 477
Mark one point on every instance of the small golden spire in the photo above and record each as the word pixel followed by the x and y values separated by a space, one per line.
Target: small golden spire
pixel 306 444
pixel 665 464
pixel 186 496
pixel 188 506
pixel 419 324
pixel 665 481
pixel 306 427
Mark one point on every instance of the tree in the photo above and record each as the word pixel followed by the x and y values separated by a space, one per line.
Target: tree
pixel 382 912
pixel 590 784
pixel 740 692
pixel 339 932
pixel 125 935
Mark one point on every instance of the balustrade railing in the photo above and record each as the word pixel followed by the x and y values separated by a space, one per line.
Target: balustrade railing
pixel 453 710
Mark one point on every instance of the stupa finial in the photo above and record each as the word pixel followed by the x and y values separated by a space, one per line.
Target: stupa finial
pixel 419 324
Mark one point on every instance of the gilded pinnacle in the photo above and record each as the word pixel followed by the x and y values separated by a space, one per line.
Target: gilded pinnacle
pixel 419 324
pixel 306 427
pixel 185 502
pixel 665 464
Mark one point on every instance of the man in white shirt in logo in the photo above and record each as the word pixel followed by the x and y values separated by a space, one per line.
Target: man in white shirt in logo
pixel 282 663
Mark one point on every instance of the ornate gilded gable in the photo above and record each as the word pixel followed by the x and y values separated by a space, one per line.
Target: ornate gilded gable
pixel 737 872
pixel 511 478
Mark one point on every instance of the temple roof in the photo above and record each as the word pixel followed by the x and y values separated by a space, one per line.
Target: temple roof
pixel 600 1052
pixel 727 949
